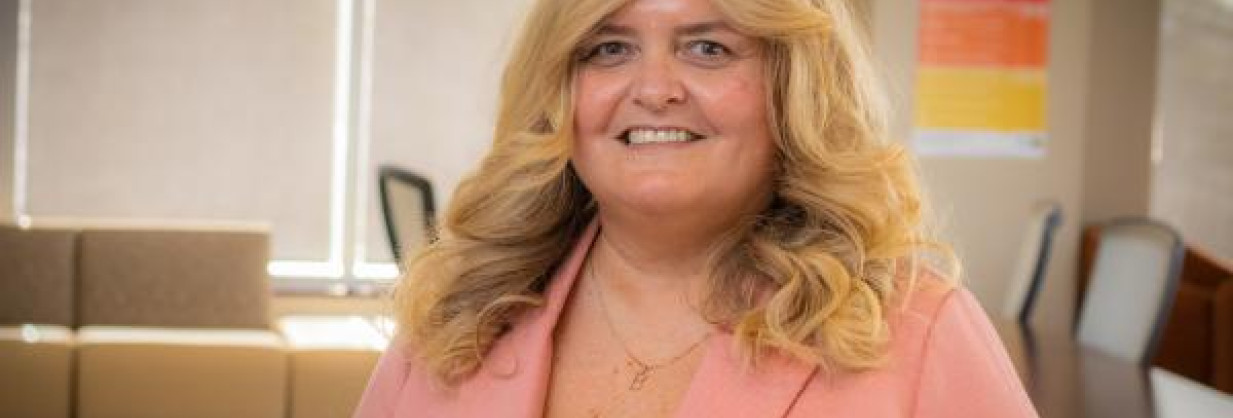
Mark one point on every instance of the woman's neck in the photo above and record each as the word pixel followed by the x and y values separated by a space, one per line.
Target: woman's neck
pixel 647 264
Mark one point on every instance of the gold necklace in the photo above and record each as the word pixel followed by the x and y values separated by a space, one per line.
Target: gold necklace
pixel 642 369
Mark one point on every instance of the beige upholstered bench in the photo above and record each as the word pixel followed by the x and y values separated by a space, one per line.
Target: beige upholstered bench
pixel 105 320
pixel 331 358
pixel 36 311
pixel 137 372
pixel 35 371
pixel 175 323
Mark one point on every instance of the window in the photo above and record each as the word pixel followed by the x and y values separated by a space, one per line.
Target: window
pixel 276 111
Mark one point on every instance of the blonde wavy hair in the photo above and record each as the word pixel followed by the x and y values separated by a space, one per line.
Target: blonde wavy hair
pixel 812 276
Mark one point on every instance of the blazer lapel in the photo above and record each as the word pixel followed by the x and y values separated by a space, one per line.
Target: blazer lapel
pixel 724 387
pixel 513 380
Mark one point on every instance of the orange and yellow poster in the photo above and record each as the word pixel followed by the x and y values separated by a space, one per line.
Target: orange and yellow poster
pixel 980 84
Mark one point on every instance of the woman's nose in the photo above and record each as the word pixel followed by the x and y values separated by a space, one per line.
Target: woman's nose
pixel 659 84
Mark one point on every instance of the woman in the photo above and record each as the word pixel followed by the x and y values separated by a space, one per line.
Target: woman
pixel 689 209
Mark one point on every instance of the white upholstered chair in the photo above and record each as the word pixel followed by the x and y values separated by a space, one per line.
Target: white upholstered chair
pixel 1131 288
pixel 1033 263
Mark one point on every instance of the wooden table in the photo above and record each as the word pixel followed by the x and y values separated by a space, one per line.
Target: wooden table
pixel 1066 380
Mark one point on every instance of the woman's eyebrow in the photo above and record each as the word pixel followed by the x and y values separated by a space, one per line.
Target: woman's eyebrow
pixel 683 30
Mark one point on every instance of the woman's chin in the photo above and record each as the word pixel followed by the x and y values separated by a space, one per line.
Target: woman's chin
pixel 666 204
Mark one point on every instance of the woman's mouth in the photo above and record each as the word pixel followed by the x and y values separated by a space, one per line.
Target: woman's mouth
pixel 641 136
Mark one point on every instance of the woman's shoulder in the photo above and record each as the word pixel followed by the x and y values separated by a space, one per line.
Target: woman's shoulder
pixel 943 353
pixel 948 353
pixel 921 296
pixel 931 309
pixel 385 384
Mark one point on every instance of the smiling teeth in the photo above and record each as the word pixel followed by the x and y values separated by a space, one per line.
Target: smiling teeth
pixel 656 136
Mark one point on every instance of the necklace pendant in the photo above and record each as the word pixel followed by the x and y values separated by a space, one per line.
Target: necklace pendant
pixel 640 378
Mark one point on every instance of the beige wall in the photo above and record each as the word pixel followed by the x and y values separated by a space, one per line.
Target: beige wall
pixel 984 203
pixel 1193 188
pixel 1100 113
pixel 8 65
pixel 1121 108
pixel 436 73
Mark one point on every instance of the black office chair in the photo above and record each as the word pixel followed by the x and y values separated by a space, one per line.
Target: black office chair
pixel 407 205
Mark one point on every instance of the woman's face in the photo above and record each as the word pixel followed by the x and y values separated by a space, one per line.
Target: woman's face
pixel 671 114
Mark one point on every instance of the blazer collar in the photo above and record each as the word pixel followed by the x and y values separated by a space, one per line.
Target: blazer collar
pixel 724 386
pixel 515 375
pixel 513 379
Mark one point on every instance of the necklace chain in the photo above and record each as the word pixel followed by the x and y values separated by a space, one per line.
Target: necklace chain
pixel 642 369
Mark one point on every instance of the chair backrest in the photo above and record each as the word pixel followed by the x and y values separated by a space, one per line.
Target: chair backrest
pixel 407 204
pixel 1029 274
pixel 1131 288
pixel 37 275
pixel 174 277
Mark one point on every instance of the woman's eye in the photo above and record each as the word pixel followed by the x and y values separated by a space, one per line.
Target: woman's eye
pixel 608 53
pixel 708 51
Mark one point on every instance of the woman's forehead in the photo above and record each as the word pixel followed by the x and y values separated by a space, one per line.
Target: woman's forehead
pixel 679 18
pixel 636 12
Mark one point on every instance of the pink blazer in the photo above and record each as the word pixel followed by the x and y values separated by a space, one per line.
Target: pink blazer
pixel 945 361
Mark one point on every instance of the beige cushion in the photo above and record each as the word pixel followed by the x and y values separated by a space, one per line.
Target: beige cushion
pixel 331 359
pixel 174 278
pixel 36 276
pixel 35 371
pixel 134 372
pixel 328 383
